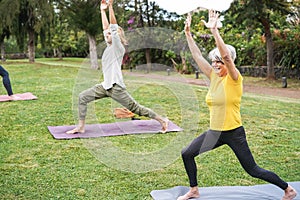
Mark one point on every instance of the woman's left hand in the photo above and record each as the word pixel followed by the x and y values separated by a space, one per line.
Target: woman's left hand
pixel 103 5
pixel 213 20
pixel 188 21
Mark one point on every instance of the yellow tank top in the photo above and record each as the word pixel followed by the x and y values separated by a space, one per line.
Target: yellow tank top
pixel 224 99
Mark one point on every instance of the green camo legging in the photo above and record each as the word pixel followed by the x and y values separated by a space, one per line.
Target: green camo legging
pixel 118 94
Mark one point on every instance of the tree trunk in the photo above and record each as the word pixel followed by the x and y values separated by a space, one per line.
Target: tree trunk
pixel 136 6
pixel 93 52
pixel 184 66
pixel 31 47
pixel 148 60
pixel 270 50
pixel 174 64
pixel 2 51
pixel 59 53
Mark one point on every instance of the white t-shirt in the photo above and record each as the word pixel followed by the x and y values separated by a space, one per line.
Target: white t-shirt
pixel 112 59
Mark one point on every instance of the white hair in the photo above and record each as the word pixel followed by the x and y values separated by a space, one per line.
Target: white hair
pixel 215 53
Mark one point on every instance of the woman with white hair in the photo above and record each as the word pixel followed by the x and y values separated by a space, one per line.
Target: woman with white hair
pixel 223 99
pixel 113 85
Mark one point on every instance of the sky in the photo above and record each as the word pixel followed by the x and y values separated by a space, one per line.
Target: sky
pixel 184 6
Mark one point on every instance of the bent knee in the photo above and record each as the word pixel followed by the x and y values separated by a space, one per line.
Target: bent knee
pixel 82 98
pixel 186 153
pixel 5 74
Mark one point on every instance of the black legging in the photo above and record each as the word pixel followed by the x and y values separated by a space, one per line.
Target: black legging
pixel 6 81
pixel 236 140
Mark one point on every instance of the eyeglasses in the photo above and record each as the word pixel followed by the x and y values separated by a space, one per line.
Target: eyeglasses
pixel 216 64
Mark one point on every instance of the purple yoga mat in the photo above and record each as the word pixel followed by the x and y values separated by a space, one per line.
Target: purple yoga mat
pixel 23 96
pixel 112 129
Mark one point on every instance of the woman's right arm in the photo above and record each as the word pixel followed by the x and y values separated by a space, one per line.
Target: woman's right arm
pixel 105 23
pixel 212 24
pixel 112 17
pixel 196 53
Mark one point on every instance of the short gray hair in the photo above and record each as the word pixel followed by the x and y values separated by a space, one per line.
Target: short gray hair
pixel 215 53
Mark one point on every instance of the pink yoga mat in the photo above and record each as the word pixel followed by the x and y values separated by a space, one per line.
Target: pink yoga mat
pixel 23 96
pixel 112 129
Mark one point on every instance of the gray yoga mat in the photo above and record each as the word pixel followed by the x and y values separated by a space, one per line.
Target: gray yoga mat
pixel 256 192
pixel 112 129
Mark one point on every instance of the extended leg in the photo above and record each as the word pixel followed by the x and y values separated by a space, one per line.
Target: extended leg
pixel 238 143
pixel 6 81
pixel 85 97
pixel 205 142
pixel 120 95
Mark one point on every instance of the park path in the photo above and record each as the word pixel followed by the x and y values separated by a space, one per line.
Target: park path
pixel 281 92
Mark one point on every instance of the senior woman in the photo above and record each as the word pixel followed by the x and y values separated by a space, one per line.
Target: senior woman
pixel 223 99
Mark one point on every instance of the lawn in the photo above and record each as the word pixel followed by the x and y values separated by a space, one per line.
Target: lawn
pixel 35 166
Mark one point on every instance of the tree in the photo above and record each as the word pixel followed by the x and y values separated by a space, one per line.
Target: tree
pixel 8 13
pixel 148 14
pixel 85 16
pixel 259 13
pixel 33 16
pixel 62 33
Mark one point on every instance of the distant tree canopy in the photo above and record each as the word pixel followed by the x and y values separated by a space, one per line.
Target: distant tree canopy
pixel 265 32
pixel 260 13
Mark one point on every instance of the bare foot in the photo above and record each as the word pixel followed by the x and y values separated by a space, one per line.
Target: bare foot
pixel 14 97
pixel 193 193
pixel 164 123
pixel 75 130
pixel 289 193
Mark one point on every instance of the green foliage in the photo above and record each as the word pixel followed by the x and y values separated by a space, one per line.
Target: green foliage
pixel 170 54
pixel 8 11
pixel 85 15
pixel 250 47
pixel 248 35
pixel 11 45
pixel 61 25
pixel 145 14
pixel 287 48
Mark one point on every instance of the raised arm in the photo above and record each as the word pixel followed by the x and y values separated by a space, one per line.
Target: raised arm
pixel 213 25
pixel 112 17
pixel 103 7
pixel 196 53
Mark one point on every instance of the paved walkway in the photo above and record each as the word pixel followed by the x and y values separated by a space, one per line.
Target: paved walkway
pixel 282 92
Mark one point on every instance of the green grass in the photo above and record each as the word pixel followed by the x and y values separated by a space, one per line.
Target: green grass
pixel 35 166
pixel 292 83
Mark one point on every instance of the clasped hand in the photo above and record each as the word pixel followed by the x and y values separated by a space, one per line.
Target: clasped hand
pixel 104 4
